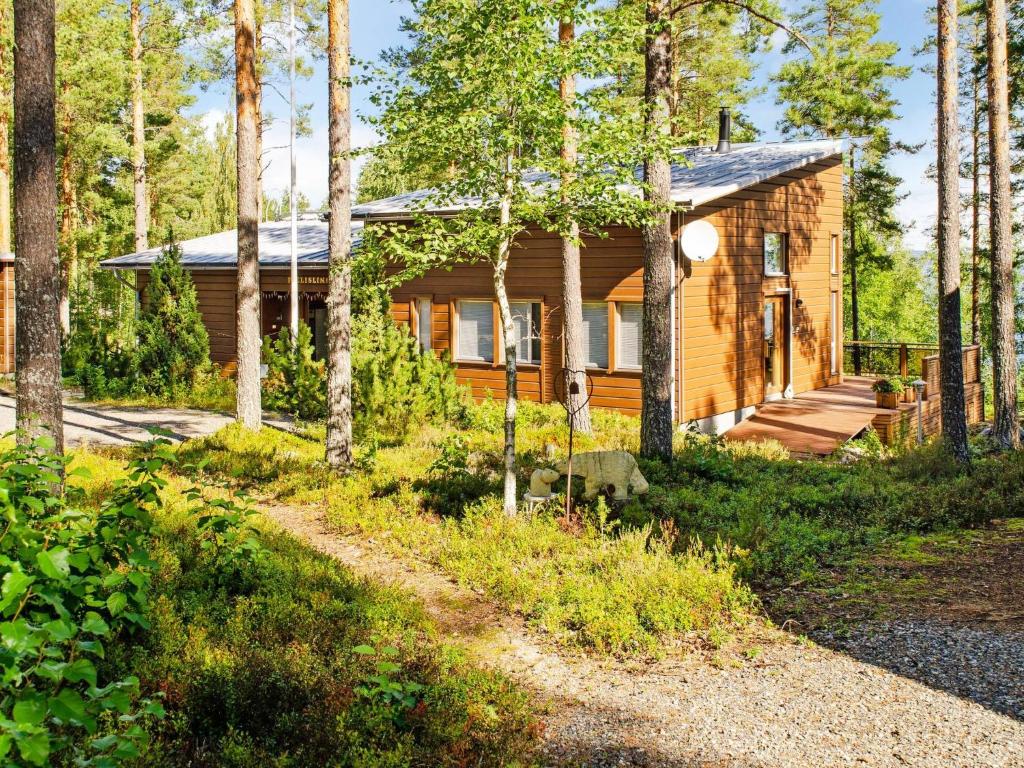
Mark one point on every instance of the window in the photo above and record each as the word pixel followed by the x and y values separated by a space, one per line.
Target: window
pixel 774 253
pixel 526 318
pixel 629 348
pixel 833 254
pixel 595 335
pixel 476 331
pixel 423 323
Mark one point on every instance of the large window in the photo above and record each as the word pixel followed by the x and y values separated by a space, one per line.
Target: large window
pixel 476 331
pixel 423 323
pixel 628 347
pixel 595 335
pixel 526 318
pixel 836 330
pixel 774 253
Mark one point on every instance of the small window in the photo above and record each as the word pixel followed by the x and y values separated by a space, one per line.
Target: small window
pixel 835 331
pixel 476 331
pixel 526 318
pixel 424 308
pixel 629 346
pixel 774 253
pixel 833 254
pixel 595 335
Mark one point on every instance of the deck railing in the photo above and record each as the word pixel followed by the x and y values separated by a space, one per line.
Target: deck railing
pixel 885 358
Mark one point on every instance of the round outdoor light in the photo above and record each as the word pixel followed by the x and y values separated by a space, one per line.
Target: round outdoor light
pixel 699 240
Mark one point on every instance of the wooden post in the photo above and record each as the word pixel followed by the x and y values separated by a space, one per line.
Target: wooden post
pixel 903 360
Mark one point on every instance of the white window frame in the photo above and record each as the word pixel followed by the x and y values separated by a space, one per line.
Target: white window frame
pixel 590 365
pixel 535 334
pixel 619 365
pixel 833 253
pixel 784 247
pixel 833 304
pixel 458 331
pixel 425 343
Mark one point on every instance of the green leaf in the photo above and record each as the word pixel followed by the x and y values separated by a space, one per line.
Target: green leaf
pixel 364 650
pixel 94 624
pixel 68 705
pixel 35 747
pixel 54 562
pixel 81 669
pixel 15 584
pixel 30 710
pixel 117 602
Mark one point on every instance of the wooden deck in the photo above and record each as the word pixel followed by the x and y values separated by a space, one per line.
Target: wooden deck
pixel 815 422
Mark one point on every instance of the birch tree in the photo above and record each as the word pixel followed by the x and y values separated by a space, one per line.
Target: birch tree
pixel 248 407
pixel 1006 429
pixel 954 418
pixel 35 193
pixel 339 295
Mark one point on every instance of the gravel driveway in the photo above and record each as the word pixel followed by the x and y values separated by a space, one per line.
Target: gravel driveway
pixel 904 693
pixel 86 423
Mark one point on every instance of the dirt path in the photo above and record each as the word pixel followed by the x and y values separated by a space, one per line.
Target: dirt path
pixel 789 704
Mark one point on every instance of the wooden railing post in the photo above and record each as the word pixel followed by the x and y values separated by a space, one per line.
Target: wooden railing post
pixel 903 360
pixel 856 358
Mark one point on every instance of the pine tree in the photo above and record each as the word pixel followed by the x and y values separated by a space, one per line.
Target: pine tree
pixel 249 411
pixel 5 126
pixel 954 419
pixel 1006 428
pixel 843 87
pixel 339 296
pixel 35 185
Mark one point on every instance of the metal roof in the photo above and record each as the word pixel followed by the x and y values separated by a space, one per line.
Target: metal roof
pixel 699 175
pixel 220 251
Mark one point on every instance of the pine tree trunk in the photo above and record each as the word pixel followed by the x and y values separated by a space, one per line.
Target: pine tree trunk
pixel 248 408
pixel 339 295
pixel 975 207
pixel 572 290
pixel 508 340
pixel 5 128
pixel 1006 428
pixel 954 418
pixel 656 377
pixel 35 234
pixel 852 259
pixel 138 131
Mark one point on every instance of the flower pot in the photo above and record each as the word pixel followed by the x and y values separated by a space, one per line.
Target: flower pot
pixel 909 395
pixel 887 399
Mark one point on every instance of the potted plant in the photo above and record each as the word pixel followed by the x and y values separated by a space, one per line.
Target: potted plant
pixel 888 392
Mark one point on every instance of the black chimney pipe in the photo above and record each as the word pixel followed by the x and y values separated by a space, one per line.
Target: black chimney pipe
pixel 724 130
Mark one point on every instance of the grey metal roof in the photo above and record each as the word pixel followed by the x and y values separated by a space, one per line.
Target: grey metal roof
pixel 220 251
pixel 699 175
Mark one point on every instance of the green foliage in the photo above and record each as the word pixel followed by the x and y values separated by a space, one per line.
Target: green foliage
pixel 890 385
pixel 255 655
pixel 74 582
pixel 295 383
pixel 381 686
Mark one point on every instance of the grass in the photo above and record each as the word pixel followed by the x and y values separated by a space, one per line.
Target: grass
pixel 258 665
pixel 678 564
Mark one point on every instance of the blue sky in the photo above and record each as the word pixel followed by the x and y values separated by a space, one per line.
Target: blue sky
pixel 375 26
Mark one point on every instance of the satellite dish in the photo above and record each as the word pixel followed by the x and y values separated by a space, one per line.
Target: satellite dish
pixel 699 240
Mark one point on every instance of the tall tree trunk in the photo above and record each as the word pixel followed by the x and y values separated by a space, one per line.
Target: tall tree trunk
pixel 508 340
pixel 138 131
pixel 1006 429
pixel 248 408
pixel 954 418
pixel 852 259
pixel 656 377
pixel 976 205
pixel 35 232
pixel 339 294
pixel 68 240
pixel 5 127
pixel 572 291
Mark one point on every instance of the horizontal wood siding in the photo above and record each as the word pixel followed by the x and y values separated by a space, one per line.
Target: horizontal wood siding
pixel 7 317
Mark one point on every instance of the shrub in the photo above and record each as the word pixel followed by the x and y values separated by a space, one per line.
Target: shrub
pixel 889 385
pixel 73 581
pixel 174 348
pixel 295 383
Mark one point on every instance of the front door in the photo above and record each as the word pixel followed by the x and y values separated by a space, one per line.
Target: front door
pixel 776 346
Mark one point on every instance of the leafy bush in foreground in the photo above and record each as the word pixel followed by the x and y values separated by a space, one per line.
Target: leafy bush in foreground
pixel 73 582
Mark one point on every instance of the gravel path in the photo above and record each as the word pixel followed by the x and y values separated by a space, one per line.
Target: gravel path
pixel 905 694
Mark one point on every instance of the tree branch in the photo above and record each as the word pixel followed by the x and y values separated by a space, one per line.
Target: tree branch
pixel 748 7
